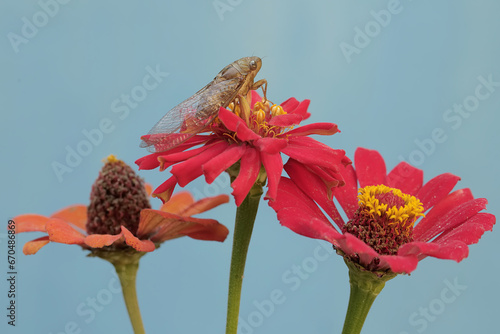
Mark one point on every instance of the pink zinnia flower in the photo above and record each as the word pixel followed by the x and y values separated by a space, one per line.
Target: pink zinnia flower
pixel 253 140
pixel 393 220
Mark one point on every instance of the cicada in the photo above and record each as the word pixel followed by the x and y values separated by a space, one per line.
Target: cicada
pixel 195 114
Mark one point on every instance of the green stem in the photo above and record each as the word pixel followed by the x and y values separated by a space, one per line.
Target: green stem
pixel 245 218
pixel 127 273
pixel 365 287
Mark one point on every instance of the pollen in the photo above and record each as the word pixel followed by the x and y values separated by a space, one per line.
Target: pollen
pixel 390 203
pixel 385 218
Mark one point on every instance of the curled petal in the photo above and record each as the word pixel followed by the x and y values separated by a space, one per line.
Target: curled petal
pixel 286 120
pixel 270 145
pixel 249 171
pixel 205 229
pixel 220 162
pixel 314 129
pixel 165 190
pixel 348 194
pixel 33 246
pixel 274 166
pixel 136 243
pixel 101 240
pixel 471 231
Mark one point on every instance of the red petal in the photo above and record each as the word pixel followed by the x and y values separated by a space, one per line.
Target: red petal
pixel 137 244
pixel 236 124
pixel 437 189
pixel 274 167
pixel 205 204
pixel 149 161
pixel 30 223
pixel 164 191
pixel 314 129
pixel 270 145
pixel 101 240
pixel 453 218
pixel 428 226
pixel 453 250
pixel 370 167
pixel 406 178
pixel 400 264
pixel 311 152
pixel 290 104
pixel 62 232
pixel 471 231
pixel 219 163
pixel 255 98
pixel 300 109
pixel 286 120
pixel 191 169
pixel 74 214
pixel 348 194
pixel 314 187
pixel 298 212
pixel 249 171
pixel 33 246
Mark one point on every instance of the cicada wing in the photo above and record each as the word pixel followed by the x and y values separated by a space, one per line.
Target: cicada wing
pixel 191 116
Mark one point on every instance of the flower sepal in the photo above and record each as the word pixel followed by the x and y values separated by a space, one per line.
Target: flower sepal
pixel 365 287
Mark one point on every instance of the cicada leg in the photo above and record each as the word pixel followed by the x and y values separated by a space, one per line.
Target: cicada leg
pixel 262 83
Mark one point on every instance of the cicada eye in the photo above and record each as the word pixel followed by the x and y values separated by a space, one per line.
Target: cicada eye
pixel 253 65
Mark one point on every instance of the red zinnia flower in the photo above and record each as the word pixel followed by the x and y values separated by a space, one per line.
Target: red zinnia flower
pixel 253 138
pixel 119 216
pixel 380 234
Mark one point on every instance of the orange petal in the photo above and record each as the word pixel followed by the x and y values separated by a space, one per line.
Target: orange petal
pixel 205 229
pixel 150 222
pixel 137 244
pixel 149 189
pixel 178 203
pixel 33 246
pixel 205 205
pixel 62 232
pixel 30 223
pixel 101 240
pixel 173 226
pixel 75 214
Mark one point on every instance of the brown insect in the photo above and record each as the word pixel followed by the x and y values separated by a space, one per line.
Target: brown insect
pixel 195 114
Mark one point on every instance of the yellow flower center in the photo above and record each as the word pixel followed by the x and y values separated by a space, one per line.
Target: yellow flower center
pixel 401 210
pixel 384 219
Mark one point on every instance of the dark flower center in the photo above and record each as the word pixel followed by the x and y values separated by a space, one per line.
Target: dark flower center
pixel 116 199
pixel 385 218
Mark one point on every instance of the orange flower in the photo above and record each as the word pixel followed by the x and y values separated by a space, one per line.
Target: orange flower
pixel 119 216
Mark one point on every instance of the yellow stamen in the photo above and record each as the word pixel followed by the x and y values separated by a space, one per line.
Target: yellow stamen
pixel 260 115
pixel 277 110
pixel 404 215
pixel 110 159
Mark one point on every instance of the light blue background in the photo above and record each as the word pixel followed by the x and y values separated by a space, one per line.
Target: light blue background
pixel 391 94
